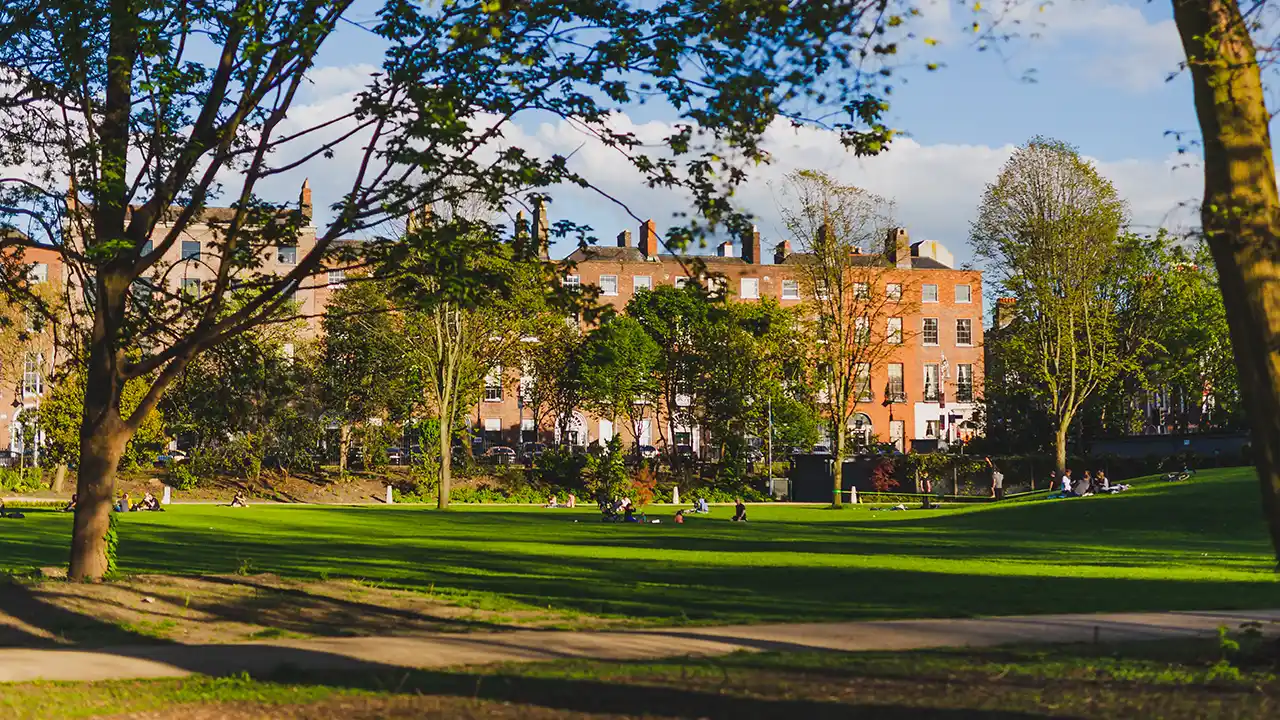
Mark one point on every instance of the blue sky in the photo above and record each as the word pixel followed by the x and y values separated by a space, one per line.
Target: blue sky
pixel 1100 69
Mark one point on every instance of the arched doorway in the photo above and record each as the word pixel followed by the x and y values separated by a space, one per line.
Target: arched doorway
pixel 861 431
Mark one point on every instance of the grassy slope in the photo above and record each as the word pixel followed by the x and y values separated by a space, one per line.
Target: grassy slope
pixel 1194 545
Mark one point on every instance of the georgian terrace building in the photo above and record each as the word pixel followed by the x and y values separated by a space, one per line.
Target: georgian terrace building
pixel 933 376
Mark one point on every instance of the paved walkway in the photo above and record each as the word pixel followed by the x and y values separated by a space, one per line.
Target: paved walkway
pixel 444 650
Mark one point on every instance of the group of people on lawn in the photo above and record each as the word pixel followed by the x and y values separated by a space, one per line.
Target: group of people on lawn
pixel 1065 486
pixel 625 510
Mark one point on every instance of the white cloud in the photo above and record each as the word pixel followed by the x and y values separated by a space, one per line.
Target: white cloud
pixel 936 187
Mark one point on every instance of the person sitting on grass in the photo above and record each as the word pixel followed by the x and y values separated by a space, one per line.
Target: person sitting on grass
pixel 1105 485
pixel 239 500
pixel 552 502
pixel 1082 485
pixel 122 505
pixel 572 502
pixel 71 506
pixel 679 517
pixel 148 503
pixel 11 514
pixel 740 511
pixel 629 514
pixel 700 506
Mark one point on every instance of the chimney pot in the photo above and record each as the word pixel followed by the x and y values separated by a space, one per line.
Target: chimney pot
pixel 751 247
pixel 541 229
pixel 725 249
pixel 897 248
pixel 624 239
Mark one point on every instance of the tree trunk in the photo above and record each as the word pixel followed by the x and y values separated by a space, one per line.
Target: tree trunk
pixel 841 440
pixel 1060 444
pixel 446 455
pixel 103 436
pixel 344 447
pixel 1241 216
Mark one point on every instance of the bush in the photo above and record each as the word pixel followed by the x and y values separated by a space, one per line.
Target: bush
pixel 561 467
pixel 181 477
pixel 21 481
pixel 882 478
pixel 643 486
pixel 606 474
pixel 526 495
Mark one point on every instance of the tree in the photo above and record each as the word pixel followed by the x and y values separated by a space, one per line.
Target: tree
pixel 362 367
pixel 846 290
pixel 1240 215
pixel 59 416
pixel 1049 229
pixel 151 110
pixel 674 318
pixel 456 334
pixel 617 371
pixel 551 389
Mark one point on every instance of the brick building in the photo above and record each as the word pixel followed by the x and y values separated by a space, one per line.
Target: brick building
pixel 934 376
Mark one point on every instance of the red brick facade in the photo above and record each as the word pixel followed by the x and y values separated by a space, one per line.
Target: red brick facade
pixel 954 302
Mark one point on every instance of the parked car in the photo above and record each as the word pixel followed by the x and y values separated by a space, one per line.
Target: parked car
pixel 821 449
pixel 397 456
pixel 753 455
pixel 500 455
pixel 170 457
pixel 648 452
pixel 531 451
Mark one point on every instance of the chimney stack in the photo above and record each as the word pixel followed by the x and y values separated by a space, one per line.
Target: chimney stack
pixel 541 229
pixel 624 239
pixel 725 249
pixel 305 201
pixel 649 239
pixel 751 247
pixel 1005 309
pixel 781 251
pixel 897 248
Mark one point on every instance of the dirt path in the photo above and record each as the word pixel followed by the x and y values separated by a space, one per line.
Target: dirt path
pixel 444 649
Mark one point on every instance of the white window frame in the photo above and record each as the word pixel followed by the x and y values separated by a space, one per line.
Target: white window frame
pixel 897 386
pixel 861 291
pixel 39 273
pixel 964 381
pixel 754 284
pixel 924 293
pixel 893 291
pixel 33 373
pixel 573 281
pixel 893 331
pixel 790 289
pixel 862 389
pixel 493 385
pixel 680 281
pixel 924 332
pixel 642 282
pixel 933 378
pixel 337 279
pixel 862 330
pixel 611 280
pixel 282 252
pixel 968 294
pixel 969 329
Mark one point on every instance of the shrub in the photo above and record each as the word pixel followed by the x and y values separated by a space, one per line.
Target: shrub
pixel 560 466
pixel 21 481
pixel 643 486
pixel 882 478
pixel 181 477
pixel 606 473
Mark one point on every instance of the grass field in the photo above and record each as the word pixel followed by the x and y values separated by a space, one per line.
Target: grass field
pixel 1199 544
pixel 1174 679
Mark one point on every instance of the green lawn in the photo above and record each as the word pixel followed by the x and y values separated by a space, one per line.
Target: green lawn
pixel 1199 544
pixel 1171 679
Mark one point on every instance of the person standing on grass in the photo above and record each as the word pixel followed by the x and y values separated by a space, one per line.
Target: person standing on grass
pixel 997 480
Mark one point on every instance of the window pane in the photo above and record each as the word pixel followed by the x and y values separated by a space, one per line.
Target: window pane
pixel 190 250
pixel 894 331
pixel 608 284
pixel 750 288
pixel 929 293
pixel 790 289
pixel 572 281
pixel 287 255
pixel 964 383
pixel 964 331
pixel 861 290
pixel 930 331
pixel 191 287
pixel 893 291
pixel 681 281
pixel 930 383
pixel 337 278
pixel 897 385
pixel 642 282
pixel 964 294
pixel 862 382
pixel 39 273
